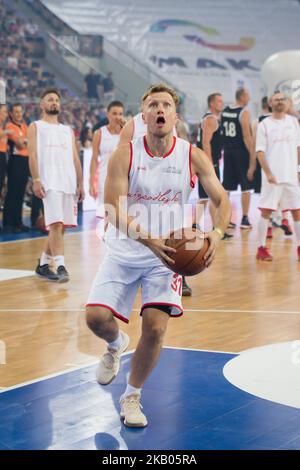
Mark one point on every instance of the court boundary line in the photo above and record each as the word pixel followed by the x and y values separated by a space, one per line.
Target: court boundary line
pixel 45 237
pixel 82 366
pixel 203 310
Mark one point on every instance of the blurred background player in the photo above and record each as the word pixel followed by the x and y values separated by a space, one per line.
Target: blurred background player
pixel 278 147
pixel 239 153
pixel 57 179
pixel 254 174
pixel 210 140
pixel 17 171
pixel 105 141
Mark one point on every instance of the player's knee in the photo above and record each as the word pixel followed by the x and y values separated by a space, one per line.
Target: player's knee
pixel 96 317
pixel 155 333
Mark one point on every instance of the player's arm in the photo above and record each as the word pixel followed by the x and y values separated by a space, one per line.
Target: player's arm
pixel 94 163
pixel 181 130
pixel 212 186
pixel 298 150
pixel 20 142
pixel 209 126
pixel 33 162
pixel 248 139
pixel 253 162
pixel 78 169
pixel 127 132
pixel 261 148
pixel 115 195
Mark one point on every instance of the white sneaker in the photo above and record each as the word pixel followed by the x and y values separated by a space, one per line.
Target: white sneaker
pixel 109 364
pixel 131 411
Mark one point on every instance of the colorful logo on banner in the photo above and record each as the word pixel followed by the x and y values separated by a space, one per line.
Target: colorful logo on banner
pixel 244 44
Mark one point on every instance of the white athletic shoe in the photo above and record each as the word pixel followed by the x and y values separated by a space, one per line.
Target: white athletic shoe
pixel 109 364
pixel 131 411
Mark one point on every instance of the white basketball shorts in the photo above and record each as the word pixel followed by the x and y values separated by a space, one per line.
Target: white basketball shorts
pixel 115 287
pixel 285 195
pixel 60 207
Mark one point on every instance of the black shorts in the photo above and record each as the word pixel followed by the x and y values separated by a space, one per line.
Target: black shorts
pixel 236 165
pixel 257 178
pixel 201 191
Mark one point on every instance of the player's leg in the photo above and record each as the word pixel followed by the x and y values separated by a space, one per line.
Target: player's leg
pixel 230 180
pixel 291 199
pixel 161 298
pixel 242 165
pixel 112 296
pixel 296 218
pixel 269 201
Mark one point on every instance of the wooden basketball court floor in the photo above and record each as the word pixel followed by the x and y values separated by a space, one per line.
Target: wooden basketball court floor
pixel 234 353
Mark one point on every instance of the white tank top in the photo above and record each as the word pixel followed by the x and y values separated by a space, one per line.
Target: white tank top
pixel 55 157
pixel 140 128
pixel 108 143
pixel 156 185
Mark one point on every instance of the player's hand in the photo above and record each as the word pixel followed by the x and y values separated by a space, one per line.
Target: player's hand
pixel 250 172
pixel 93 190
pixel 214 239
pixel 160 249
pixel 80 193
pixel 38 190
pixel 271 178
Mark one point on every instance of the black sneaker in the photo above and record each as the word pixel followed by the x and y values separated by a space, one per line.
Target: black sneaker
pixel 186 290
pixel 245 222
pixel 63 275
pixel 231 225
pixel 197 226
pixel 227 236
pixel 45 272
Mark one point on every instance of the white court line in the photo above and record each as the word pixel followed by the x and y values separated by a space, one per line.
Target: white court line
pixel 202 350
pixel 203 310
pixel 57 374
pixel 82 366
pixel 39 238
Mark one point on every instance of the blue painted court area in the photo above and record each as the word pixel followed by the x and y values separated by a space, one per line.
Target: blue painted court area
pixel 188 402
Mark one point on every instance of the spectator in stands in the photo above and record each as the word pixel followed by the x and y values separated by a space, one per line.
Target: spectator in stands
pixel 3 144
pixel 108 88
pixel 92 82
pixel 17 172
pixel 86 137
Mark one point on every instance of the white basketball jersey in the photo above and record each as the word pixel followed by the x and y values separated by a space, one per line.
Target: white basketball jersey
pixel 108 143
pixel 55 157
pixel 158 189
pixel 140 128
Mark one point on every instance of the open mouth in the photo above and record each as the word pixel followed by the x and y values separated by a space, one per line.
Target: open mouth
pixel 160 120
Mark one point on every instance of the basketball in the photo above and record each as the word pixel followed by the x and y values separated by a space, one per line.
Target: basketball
pixel 191 247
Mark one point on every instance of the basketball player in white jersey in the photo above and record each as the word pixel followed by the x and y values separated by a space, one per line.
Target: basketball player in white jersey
pixel 152 175
pixel 136 127
pixel 278 150
pixel 57 179
pixel 105 141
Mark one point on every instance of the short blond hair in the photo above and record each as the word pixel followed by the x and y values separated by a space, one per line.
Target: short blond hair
pixel 161 88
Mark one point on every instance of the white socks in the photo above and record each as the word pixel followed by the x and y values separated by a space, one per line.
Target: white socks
pixel 59 260
pixel 130 390
pixel 262 231
pixel 297 231
pixel 117 343
pixel 45 259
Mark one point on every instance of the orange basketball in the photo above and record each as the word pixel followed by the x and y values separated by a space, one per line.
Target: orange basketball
pixel 191 247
